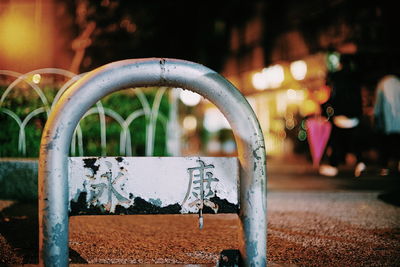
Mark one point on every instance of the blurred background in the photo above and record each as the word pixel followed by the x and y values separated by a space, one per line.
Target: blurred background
pixel 277 53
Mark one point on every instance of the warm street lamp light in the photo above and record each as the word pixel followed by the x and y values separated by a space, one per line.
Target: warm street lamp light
pixel 259 81
pixel 270 77
pixel 298 69
pixel 275 75
pixel 189 98
pixel 36 78
pixel 190 123
pixel 214 121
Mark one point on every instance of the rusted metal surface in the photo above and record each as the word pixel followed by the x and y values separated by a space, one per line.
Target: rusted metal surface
pixel 77 100
pixel 153 185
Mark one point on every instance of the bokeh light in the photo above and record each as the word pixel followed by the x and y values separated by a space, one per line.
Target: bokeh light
pixel 310 107
pixel 17 34
pixel 322 94
pixel 36 78
pixel 190 123
pixel 333 60
pixel 271 77
pixel 214 120
pixel 189 98
pixel 291 94
pixel 298 69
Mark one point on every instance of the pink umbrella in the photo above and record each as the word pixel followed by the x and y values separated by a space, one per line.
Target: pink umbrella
pixel 319 130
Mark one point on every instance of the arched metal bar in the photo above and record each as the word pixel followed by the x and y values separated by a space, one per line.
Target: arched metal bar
pixel 133 116
pixel 22 127
pixel 151 125
pixel 23 77
pixel 66 85
pixel 147 113
pixel 117 118
pixel 53 163
pixel 77 135
pixel 102 119
pixel 21 138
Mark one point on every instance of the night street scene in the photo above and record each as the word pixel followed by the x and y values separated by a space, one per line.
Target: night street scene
pixel 209 133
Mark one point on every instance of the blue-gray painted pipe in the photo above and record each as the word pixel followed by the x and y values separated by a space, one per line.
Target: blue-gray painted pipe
pixel 57 135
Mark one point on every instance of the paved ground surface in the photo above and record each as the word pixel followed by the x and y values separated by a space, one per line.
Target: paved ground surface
pixel 312 221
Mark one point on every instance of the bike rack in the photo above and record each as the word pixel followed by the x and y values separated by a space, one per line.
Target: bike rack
pixel 76 101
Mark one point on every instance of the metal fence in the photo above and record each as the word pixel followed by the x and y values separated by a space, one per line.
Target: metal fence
pixel 36 81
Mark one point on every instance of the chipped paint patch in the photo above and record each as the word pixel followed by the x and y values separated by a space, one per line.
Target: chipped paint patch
pixel 90 163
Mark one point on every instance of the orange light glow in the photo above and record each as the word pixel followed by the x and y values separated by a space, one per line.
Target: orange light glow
pixel 309 107
pixel 17 35
pixel 322 94
pixel 25 39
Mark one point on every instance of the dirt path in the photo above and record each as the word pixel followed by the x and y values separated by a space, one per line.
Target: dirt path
pixel 304 229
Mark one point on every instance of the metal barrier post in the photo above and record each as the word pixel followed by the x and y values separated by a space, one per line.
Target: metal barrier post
pixel 57 135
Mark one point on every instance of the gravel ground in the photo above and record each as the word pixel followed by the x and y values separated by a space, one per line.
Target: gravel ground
pixel 304 229
pixel 333 229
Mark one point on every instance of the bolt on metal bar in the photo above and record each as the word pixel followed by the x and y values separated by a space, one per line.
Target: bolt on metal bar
pixel 77 100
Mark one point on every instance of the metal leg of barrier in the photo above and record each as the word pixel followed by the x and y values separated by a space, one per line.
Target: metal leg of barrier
pixel 57 136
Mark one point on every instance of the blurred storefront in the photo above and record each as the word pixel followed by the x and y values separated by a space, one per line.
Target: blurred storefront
pixel 280 57
pixel 282 95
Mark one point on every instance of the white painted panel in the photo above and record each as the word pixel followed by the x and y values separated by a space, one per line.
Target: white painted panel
pixel 189 183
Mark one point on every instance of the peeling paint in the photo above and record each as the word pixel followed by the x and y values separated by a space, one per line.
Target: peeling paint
pixel 156 202
pixel 253 249
pixel 90 163
pixel 255 152
pixel 56 251
pixel 141 206
pixel 223 206
pixel 248 199
pixel 49 146
pixel 163 69
pixel 190 181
